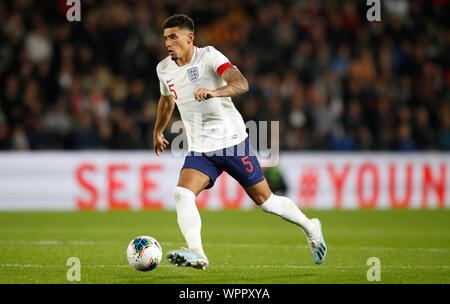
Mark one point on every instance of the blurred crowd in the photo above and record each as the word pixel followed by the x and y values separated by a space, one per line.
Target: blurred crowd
pixel 334 80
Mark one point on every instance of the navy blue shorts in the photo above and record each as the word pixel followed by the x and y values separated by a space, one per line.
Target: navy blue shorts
pixel 239 161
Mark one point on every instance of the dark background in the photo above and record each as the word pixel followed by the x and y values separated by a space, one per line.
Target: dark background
pixel 334 80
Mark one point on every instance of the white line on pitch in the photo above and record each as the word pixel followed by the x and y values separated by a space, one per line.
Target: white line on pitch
pixel 258 245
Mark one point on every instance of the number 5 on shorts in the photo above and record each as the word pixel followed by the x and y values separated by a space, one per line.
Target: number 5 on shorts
pixel 246 163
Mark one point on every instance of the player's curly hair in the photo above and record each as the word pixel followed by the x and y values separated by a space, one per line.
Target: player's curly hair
pixel 180 20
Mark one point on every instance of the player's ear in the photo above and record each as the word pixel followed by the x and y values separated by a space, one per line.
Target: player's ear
pixel 191 37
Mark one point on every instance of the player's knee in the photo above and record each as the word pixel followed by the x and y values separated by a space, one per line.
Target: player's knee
pixel 260 198
pixel 259 193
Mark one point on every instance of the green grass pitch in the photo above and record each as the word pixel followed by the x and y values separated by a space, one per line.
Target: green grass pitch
pixel 413 246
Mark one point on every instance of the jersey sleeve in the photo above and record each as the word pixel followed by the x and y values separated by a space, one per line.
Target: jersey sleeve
pixel 218 61
pixel 162 86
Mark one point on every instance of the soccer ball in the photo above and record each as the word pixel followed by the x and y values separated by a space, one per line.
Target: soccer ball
pixel 144 253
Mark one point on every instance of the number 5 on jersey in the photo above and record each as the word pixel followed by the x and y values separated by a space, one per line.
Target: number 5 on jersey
pixel 172 90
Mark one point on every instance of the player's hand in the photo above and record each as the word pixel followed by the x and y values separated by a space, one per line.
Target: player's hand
pixel 159 143
pixel 204 94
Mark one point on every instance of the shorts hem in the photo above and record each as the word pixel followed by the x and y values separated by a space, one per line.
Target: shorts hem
pixel 252 183
pixel 211 180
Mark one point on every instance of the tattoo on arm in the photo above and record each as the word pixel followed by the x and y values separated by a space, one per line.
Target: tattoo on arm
pixel 236 83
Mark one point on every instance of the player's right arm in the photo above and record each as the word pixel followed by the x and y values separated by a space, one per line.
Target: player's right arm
pixel 166 105
pixel 236 84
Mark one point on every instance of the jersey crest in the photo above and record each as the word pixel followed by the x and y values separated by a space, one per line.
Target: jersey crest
pixel 193 74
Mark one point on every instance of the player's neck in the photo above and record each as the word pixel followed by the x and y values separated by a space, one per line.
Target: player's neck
pixel 186 58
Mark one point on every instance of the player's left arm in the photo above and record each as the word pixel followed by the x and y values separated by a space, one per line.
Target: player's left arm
pixel 236 85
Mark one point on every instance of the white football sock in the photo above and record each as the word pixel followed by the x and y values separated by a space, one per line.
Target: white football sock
pixel 189 218
pixel 286 209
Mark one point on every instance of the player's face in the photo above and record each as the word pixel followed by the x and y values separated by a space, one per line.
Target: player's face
pixel 178 41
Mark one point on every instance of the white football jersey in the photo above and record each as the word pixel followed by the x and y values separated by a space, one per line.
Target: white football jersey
pixel 211 124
